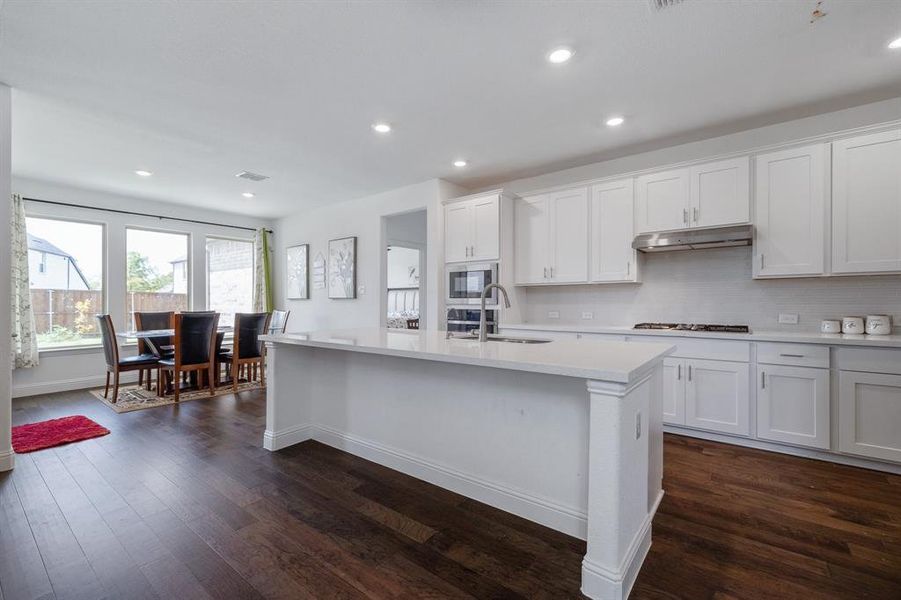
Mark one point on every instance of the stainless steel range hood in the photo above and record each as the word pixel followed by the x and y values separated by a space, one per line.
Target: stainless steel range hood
pixel 694 239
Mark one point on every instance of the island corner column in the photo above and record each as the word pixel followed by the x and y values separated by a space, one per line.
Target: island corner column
pixel 625 458
pixel 289 415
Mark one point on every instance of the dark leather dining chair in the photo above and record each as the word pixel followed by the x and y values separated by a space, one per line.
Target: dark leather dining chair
pixel 279 321
pixel 115 364
pixel 195 350
pixel 247 349
pixel 160 346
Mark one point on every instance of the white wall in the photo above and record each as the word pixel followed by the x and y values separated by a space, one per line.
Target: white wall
pixel 79 368
pixel 6 453
pixel 361 217
pixel 715 285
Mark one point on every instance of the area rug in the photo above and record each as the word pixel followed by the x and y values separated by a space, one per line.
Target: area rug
pixel 55 432
pixel 134 397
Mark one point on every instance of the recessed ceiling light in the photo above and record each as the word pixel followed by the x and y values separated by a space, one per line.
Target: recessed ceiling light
pixel 247 194
pixel 895 44
pixel 615 121
pixel 560 55
pixel 143 173
pixel 381 127
pixel 459 163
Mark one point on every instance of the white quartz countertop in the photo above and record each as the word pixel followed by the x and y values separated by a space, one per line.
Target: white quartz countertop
pixel 619 362
pixel 829 339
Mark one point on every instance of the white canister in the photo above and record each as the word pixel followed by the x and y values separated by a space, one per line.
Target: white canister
pixel 830 326
pixel 879 324
pixel 852 325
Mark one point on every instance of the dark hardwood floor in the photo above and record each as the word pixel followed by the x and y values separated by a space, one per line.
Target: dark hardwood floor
pixel 182 502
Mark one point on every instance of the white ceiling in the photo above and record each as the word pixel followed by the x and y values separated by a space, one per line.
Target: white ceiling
pixel 197 91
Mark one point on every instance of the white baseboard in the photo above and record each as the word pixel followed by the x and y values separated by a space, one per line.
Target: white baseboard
pixel 276 440
pixel 7 460
pixel 600 583
pixel 566 519
pixel 68 385
pixel 824 455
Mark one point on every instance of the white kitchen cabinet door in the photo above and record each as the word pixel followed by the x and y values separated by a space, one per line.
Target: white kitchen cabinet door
pixel 717 396
pixel 457 231
pixel 661 201
pixel 612 230
pixel 486 228
pixel 793 405
pixel 866 203
pixel 568 236
pixel 869 415
pixel 790 212
pixel 530 240
pixel 720 193
pixel 674 391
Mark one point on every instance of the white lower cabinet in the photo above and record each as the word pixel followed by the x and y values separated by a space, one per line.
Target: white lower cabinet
pixel 717 396
pixel 870 415
pixel 793 405
pixel 673 391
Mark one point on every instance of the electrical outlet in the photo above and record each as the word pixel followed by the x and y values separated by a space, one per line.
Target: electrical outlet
pixel 553 314
pixel 587 315
pixel 788 319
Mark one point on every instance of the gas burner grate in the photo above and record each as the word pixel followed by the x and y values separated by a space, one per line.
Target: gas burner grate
pixel 709 327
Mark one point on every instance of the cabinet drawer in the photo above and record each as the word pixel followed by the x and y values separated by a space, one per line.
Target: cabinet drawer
pixel 796 355
pixel 869 360
pixel 703 349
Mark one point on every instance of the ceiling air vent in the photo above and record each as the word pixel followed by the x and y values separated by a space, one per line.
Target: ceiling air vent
pixel 661 4
pixel 251 176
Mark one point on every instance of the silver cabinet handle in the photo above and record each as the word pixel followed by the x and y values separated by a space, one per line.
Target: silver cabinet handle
pixel 552 272
pixel 628 267
pixel 545 272
pixel 791 355
pixel 679 372
pixel 763 380
pixel 685 216
pixel 695 212
pixel 467 250
pixel 761 261
pixel 689 372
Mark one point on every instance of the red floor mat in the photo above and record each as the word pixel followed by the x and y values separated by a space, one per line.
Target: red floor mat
pixel 55 432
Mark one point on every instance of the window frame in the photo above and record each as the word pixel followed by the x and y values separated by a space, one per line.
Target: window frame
pixel 189 254
pixel 104 275
pixel 206 259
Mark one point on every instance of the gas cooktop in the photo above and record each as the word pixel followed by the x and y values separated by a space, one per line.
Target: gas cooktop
pixel 694 327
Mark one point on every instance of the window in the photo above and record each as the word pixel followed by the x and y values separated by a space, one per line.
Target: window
pixel 65 266
pixel 157 263
pixel 229 277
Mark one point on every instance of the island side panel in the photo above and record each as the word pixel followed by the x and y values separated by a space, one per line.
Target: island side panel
pixel 512 439
pixel 625 445
pixel 288 398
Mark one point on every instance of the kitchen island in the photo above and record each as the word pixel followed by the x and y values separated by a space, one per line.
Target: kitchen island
pixel 564 433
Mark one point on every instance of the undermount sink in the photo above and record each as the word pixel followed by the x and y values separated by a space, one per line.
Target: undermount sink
pixel 509 340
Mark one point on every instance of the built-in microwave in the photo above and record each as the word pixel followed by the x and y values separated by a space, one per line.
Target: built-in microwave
pixel 465 283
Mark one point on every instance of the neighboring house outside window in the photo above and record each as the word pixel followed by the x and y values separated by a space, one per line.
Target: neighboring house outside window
pixel 50 267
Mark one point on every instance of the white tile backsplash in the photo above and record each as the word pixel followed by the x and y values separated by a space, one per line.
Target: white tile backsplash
pixel 715 286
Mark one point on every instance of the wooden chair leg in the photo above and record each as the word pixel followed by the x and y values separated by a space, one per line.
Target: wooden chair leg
pixel 177 381
pixel 140 377
pixel 106 389
pixel 211 376
pixel 116 386
pixel 263 372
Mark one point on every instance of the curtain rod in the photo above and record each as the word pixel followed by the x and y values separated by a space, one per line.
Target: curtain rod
pixel 138 214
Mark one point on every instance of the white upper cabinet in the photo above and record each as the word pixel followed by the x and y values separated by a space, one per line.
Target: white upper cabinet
pixel 706 195
pixel 472 229
pixel 866 203
pixel 569 236
pixel 790 212
pixel 661 201
pixel 612 224
pixel 720 193
pixel 530 239
pixel 551 238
